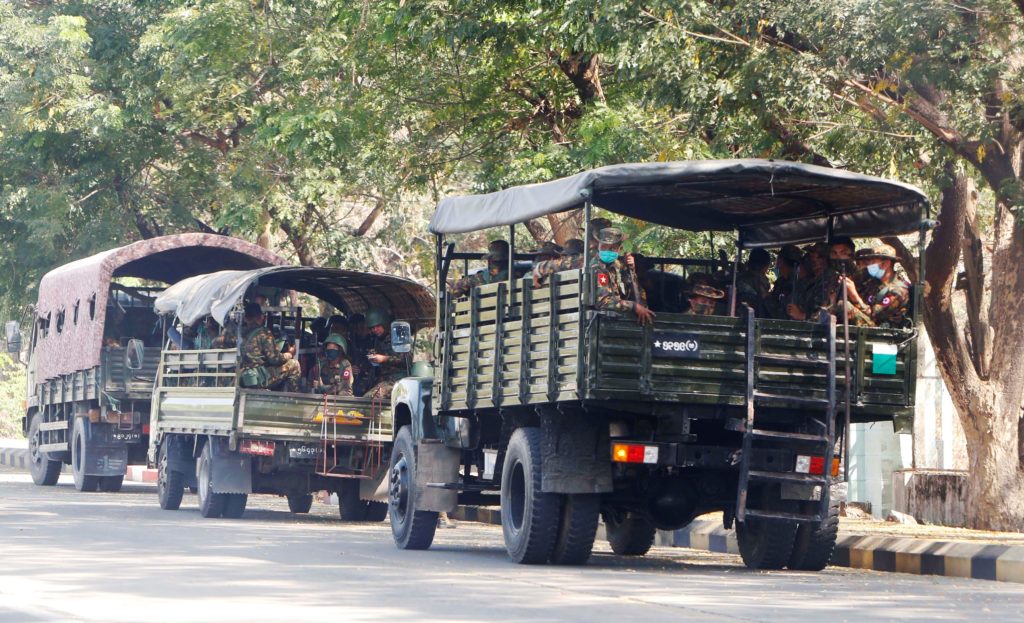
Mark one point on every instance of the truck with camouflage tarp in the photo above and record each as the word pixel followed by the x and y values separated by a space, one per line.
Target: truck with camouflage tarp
pixel 560 412
pixel 213 431
pixel 93 347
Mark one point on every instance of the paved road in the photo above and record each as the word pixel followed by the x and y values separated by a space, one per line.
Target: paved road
pixel 118 557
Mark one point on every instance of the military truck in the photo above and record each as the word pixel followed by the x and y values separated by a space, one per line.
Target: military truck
pixel 560 412
pixel 94 344
pixel 212 432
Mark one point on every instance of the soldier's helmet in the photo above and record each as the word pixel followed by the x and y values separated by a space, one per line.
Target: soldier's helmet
pixel 376 317
pixel 611 236
pixel 497 251
pixel 881 252
pixel 334 338
pixel 573 247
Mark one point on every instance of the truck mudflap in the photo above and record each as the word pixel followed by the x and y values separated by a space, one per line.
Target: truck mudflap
pixel 574 453
pixel 231 471
pixel 436 465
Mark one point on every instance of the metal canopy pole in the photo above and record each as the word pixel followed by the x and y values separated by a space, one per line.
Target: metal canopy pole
pixel 735 271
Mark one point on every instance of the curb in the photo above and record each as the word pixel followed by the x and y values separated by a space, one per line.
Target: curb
pixel 140 473
pixel 960 559
pixel 14 457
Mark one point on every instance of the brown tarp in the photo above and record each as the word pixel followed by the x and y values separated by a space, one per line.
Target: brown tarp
pixel 165 259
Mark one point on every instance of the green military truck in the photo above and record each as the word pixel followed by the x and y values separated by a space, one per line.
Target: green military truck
pixel 559 412
pixel 94 344
pixel 227 441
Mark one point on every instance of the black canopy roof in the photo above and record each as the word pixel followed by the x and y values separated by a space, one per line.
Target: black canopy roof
pixel 769 202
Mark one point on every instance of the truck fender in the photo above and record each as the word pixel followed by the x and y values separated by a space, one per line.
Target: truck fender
pixel 231 471
pixel 410 406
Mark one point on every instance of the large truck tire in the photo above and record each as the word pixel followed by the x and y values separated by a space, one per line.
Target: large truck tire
pixel 411 528
pixel 300 503
pixel 529 517
pixel 765 544
pixel 629 534
pixel 815 542
pixel 83 481
pixel 350 507
pixel 234 504
pixel 45 472
pixel 211 504
pixel 111 484
pixel 170 484
pixel 376 511
pixel 577 529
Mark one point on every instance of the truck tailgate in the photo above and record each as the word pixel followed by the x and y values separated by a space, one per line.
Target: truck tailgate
pixel 300 417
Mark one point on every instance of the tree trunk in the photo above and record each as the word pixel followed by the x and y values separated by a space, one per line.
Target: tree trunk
pixel 565 225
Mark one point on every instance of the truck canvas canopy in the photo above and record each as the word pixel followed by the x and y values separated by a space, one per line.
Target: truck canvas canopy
pixel 770 203
pixel 350 291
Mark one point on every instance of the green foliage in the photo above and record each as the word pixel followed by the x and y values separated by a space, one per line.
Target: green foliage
pixel 12 395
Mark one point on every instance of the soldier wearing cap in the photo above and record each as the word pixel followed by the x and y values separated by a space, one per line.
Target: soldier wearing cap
pixel 883 299
pixel 332 373
pixel 497 270
pixel 571 257
pixel 704 299
pixel 264 366
pixel 612 278
pixel 811 289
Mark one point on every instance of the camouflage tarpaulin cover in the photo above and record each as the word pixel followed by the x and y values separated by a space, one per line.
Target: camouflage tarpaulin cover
pixel 769 202
pixel 85 283
pixel 351 291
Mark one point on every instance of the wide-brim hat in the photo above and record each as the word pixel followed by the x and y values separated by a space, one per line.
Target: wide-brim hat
pixel 791 253
pixel 881 252
pixel 707 292
pixel 610 235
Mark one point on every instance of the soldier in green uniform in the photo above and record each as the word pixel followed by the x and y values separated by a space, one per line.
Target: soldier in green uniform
pixel 612 278
pixel 811 290
pixel 570 258
pixel 883 299
pixel 497 270
pixel 752 286
pixel 703 300
pixel 333 371
pixel 264 366
pixel 787 268
pixel 386 366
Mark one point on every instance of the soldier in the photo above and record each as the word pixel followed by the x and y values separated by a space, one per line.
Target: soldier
pixel 885 298
pixel 703 300
pixel 787 268
pixel 333 371
pixel 810 289
pixel 752 286
pixel 615 285
pixel 263 364
pixel 497 270
pixel 570 258
pixel 387 366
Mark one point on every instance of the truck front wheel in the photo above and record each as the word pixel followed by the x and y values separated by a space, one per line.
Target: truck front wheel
pixel 529 517
pixel 45 472
pixel 411 528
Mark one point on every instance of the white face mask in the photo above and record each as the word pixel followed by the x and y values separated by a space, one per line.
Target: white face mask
pixel 876 271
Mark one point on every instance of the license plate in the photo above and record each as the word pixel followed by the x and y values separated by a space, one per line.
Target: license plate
pixel 304 452
pixel 126 435
pixel 676 345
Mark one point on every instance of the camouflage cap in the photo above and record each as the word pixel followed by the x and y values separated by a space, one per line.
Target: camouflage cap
pixel 707 292
pixel 334 338
pixel 573 246
pixel 610 235
pixel 882 252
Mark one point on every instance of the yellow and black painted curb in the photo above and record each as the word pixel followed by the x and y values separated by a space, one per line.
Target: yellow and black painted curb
pixel 960 559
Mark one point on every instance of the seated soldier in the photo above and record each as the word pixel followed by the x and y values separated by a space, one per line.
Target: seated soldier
pixel 885 298
pixel 752 287
pixel 703 300
pixel 570 258
pixel 264 366
pixel 332 373
pixel 787 272
pixel 386 366
pixel 615 279
pixel 840 266
pixel 811 286
pixel 497 270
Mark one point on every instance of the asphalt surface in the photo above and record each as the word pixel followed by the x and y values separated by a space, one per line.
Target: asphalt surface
pixel 67 556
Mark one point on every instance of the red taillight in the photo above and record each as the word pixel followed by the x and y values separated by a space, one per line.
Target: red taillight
pixel 817 465
pixel 634 453
pixel 257 447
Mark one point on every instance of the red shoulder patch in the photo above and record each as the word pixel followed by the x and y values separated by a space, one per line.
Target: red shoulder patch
pixel 602 279
pixel 347 373
pixel 887 300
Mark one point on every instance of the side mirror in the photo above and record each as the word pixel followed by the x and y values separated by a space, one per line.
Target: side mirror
pixel 134 354
pixel 12 335
pixel 401 337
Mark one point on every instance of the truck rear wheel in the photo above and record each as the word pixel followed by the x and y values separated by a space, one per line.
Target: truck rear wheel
pixel 376 511
pixel 577 529
pixel 300 503
pixel 83 481
pixel 411 528
pixel 765 544
pixel 170 484
pixel 529 517
pixel 629 534
pixel 815 543
pixel 45 472
pixel 210 504
pixel 350 506
pixel 234 504
pixel 111 484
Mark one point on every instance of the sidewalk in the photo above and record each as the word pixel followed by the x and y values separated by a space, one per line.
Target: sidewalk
pixel 875 545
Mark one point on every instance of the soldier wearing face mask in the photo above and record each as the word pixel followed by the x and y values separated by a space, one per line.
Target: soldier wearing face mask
pixel 333 371
pixel 614 277
pixel 885 298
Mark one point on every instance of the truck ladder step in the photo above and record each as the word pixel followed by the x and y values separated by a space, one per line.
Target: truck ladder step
pixel 796 437
pixel 777 516
pixel 788 477
pixel 797 362
pixel 54 447
pixel 461 486
pixel 806 400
